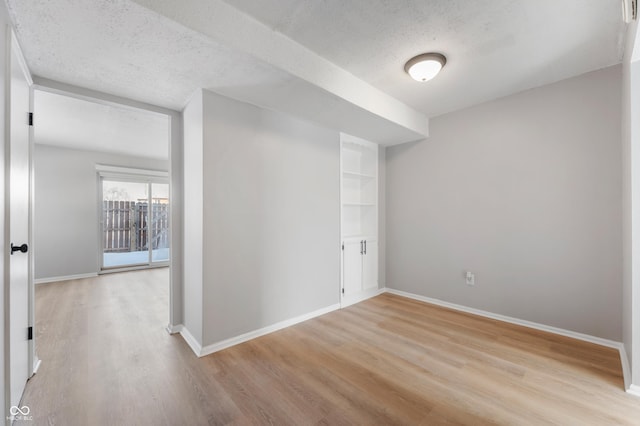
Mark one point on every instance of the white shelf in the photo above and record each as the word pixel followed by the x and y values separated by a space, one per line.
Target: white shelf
pixel 358 236
pixel 353 147
pixel 356 175
pixel 350 236
pixel 359 189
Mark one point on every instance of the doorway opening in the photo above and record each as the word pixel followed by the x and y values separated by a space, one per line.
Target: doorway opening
pixel 104 186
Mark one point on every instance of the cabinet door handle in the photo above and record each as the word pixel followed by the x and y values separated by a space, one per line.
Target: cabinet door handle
pixel 361 247
pixel 365 246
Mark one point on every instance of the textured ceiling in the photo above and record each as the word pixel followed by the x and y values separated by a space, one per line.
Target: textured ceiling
pixel 68 122
pixel 337 63
pixel 121 48
pixel 493 47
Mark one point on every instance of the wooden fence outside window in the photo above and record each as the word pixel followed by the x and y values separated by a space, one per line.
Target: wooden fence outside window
pixel 126 226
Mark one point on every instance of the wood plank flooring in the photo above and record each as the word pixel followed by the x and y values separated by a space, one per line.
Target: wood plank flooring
pixel 107 360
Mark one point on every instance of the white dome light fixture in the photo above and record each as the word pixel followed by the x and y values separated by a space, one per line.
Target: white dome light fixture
pixel 425 67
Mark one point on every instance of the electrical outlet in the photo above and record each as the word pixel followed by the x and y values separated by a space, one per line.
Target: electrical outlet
pixel 470 278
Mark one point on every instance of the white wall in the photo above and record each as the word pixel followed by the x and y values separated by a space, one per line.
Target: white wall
pixel 525 192
pixel 176 217
pixel 193 222
pixel 66 238
pixel 271 218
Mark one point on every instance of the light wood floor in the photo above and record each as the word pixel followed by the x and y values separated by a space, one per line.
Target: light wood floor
pixel 107 360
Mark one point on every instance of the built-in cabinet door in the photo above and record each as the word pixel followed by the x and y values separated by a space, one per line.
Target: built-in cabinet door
pixel 370 265
pixel 351 268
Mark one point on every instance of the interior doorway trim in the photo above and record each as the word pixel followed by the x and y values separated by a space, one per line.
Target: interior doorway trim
pixel 175 175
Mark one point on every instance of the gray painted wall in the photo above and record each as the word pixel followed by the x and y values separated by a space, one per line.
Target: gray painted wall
pixel 626 214
pixel 631 216
pixel 382 206
pixel 271 217
pixel 66 208
pixel 525 192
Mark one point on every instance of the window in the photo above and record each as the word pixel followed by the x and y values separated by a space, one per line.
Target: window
pixel 134 218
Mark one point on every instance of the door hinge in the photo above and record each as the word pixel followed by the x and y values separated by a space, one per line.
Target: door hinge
pixel 629 10
pixel 342 246
pixel 30 119
pixel 342 290
pixel 30 333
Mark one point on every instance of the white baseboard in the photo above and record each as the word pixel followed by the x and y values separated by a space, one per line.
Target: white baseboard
pixel 191 341
pixel 626 372
pixel 504 318
pixel 367 294
pixel 218 346
pixel 36 365
pixel 626 368
pixel 64 278
pixel 174 329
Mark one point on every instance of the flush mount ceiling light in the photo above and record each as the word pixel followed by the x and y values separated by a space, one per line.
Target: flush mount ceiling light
pixel 426 66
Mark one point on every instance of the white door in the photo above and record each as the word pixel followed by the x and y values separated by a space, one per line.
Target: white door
pixel 18 220
pixel 351 268
pixel 370 265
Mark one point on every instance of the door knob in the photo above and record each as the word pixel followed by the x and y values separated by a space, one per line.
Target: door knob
pixel 23 248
